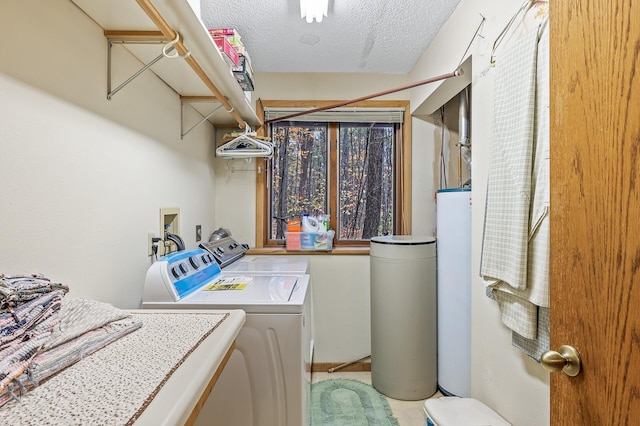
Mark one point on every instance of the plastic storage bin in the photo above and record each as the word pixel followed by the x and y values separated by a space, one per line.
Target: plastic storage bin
pixel 310 240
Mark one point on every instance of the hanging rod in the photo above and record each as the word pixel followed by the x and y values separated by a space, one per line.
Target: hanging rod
pixel 139 36
pixel 456 73
pixel 170 34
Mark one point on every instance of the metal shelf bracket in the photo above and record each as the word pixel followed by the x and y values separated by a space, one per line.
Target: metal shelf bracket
pixel 110 43
pixel 187 101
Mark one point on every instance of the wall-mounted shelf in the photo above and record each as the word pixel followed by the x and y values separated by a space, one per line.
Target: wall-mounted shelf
pixel 144 26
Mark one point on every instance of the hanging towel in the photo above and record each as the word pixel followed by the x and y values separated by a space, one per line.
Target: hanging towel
pixel 535 347
pixel 506 221
pixel 515 254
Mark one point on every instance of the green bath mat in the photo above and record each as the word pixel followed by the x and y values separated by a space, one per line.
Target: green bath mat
pixel 345 402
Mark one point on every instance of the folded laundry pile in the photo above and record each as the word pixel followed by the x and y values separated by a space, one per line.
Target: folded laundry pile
pixel 43 332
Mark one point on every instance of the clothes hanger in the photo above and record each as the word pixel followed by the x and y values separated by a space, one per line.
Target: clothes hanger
pixel 245 145
pixel 528 4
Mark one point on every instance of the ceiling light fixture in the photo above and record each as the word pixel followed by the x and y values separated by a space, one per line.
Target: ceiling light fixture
pixel 313 9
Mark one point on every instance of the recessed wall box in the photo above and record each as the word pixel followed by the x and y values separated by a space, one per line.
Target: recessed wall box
pixel 169 222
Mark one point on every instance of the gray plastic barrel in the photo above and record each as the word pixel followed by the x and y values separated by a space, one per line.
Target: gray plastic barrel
pixel 404 353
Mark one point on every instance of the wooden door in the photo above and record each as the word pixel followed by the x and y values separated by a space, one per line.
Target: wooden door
pixel 595 208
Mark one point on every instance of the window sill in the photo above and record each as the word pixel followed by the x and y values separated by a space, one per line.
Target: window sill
pixel 341 251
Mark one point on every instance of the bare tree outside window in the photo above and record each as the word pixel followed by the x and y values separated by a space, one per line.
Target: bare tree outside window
pixel 365 180
pixel 300 176
pixel 299 172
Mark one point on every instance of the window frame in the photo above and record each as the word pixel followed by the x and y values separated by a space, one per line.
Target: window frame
pixel 402 214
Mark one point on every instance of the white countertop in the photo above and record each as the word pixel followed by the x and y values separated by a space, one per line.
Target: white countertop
pixel 177 398
pixel 155 375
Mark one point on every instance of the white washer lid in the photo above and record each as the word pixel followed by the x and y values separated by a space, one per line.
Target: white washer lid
pixel 264 264
pixel 454 411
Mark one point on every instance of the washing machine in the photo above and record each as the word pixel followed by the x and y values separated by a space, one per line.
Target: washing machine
pixel 232 259
pixel 267 378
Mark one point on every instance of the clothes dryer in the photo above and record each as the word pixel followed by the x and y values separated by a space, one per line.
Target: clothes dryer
pixel 266 264
pixel 231 257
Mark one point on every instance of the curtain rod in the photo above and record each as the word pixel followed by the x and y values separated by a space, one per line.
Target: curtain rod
pixel 456 73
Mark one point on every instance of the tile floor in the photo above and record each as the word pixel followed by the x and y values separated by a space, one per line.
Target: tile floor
pixel 408 413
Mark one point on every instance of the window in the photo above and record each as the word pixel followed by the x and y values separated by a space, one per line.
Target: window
pixel 299 173
pixel 352 164
pixel 365 180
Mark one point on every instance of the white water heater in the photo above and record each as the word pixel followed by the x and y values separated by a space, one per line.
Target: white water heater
pixel 454 291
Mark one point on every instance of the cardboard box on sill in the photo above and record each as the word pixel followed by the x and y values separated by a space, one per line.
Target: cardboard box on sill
pixel 293 241
pixel 294 225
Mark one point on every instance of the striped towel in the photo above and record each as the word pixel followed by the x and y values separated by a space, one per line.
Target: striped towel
pixel 64 331
pixel 506 221
pixel 24 332
pixel 515 256
pixel 18 289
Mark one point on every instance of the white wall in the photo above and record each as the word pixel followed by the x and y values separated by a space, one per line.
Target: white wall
pixel 341 303
pixel 502 377
pixel 83 178
pixel 423 176
pixel 427 138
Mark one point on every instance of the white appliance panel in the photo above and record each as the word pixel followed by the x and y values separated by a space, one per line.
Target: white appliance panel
pixel 279 397
pixel 259 289
pixel 263 264
pixel 265 294
pixel 454 291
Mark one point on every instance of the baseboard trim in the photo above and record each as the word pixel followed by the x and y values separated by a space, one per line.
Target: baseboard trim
pixel 323 367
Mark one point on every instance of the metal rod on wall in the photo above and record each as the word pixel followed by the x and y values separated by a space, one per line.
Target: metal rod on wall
pixel 456 73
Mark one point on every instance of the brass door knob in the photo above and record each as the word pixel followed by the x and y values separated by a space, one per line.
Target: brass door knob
pixel 567 359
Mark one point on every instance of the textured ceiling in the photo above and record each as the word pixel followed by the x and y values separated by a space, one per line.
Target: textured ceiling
pixel 360 36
